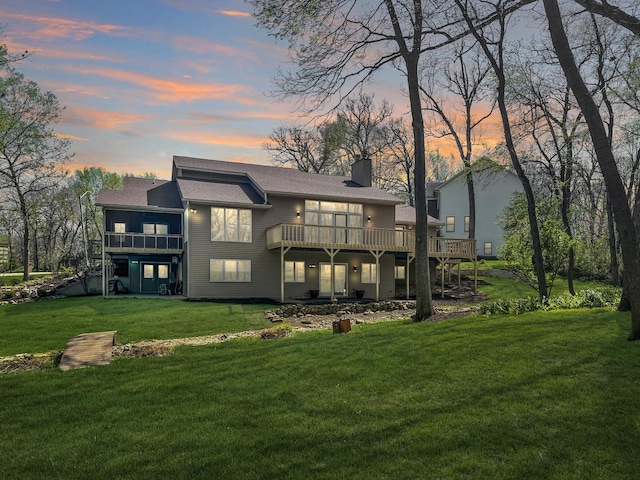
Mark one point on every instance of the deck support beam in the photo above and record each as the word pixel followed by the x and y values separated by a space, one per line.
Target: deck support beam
pixel 283 250
pixel 332 252
pixel 377 254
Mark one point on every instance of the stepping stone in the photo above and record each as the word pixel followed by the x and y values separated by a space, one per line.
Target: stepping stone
pixel 88 349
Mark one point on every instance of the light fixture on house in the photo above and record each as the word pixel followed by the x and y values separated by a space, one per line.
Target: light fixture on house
pixel 355 268
pixel 312 265
pixel 193 210
pixel 298 214
pixel 369 219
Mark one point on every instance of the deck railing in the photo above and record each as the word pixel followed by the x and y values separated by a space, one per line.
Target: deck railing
pixel 142 242
pixel 317 236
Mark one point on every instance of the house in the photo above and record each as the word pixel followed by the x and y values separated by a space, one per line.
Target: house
pixel 449 201
pixel 225 230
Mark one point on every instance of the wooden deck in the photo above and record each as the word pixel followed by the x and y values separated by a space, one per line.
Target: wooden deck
pixel 365 239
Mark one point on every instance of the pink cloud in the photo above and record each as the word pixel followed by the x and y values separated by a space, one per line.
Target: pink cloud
pixel 197 45
pixel 208 138
pixel 46 28
pixel 102 118
pixel 182 90
pixel 234 13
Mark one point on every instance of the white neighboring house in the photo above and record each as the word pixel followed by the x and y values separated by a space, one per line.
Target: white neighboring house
pixel 449 201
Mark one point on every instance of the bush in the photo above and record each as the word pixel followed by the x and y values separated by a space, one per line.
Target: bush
pixel 590 298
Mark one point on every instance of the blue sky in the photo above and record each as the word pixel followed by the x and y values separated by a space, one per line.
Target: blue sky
pixel 143 80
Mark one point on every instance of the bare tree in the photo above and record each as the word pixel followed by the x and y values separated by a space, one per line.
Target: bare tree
pixel 492 41
pixel 461 84
pixel 314 150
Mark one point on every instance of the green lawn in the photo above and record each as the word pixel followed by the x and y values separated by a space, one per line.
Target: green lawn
pixel 504 288
pixel 550 395
pixel 16 278
pixel 46 325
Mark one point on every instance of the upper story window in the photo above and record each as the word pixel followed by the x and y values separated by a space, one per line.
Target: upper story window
pixel 119 227
pixel 451 224
pixel 333 214
pixel 230 224
pixel 466 223
pixel 155 229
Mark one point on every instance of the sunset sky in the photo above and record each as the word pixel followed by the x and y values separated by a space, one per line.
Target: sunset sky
pixel 143 80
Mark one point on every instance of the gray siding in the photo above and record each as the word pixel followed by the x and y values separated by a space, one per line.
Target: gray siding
pixel 265 264
pixel 493 192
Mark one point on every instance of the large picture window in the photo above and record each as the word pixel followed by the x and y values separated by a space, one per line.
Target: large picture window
pixel 230 224
pixel 229 270
pixel 294 272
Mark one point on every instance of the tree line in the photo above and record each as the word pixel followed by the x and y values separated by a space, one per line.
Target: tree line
pixel 566 96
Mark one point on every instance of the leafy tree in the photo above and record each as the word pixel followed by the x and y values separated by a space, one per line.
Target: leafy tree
pixel 30 150
pixel 517 250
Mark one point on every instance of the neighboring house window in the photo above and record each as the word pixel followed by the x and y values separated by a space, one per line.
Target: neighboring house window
pixel 451 224
pixel 400 272
pixel 119 227
pixel 368 273
pixel 230 225
pixel 294 272
pixel 466 224
pixel 229 270
pixel 488 248
pixel 155 228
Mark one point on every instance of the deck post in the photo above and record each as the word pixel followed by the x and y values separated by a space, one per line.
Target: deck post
pixel 283 250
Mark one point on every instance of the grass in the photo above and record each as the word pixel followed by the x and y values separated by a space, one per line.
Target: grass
pixel 504 288
pixel 43 326
pixel 16 279
pixel 549 395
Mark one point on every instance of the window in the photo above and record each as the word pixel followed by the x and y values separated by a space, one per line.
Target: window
pixel 119 227
pixel 121 267
pixel 451 224
pixel 488 248
pixel 163 271
pixel 229 270
pixel 230 225
pixel 368 273
pixel 400 272
pixel 466 223
pixel 294 272
pixel 147 271
pixel 155 228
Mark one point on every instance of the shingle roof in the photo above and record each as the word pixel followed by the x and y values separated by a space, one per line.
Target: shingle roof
pixel 406 215
pixel 213 192
pixel 142 192
pixel 278 180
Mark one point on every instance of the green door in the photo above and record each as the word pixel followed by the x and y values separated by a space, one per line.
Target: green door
pixel 153 276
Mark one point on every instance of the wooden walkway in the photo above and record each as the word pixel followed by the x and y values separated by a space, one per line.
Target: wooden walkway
pixel 88 349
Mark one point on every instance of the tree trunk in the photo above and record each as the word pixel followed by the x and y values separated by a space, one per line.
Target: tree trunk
pixel 472 204
pixel 424 307
pixel 25 246
pixel 604 154
pixel 614 268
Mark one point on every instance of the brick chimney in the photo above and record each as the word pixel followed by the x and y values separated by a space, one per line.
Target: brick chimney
pixel 361 171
